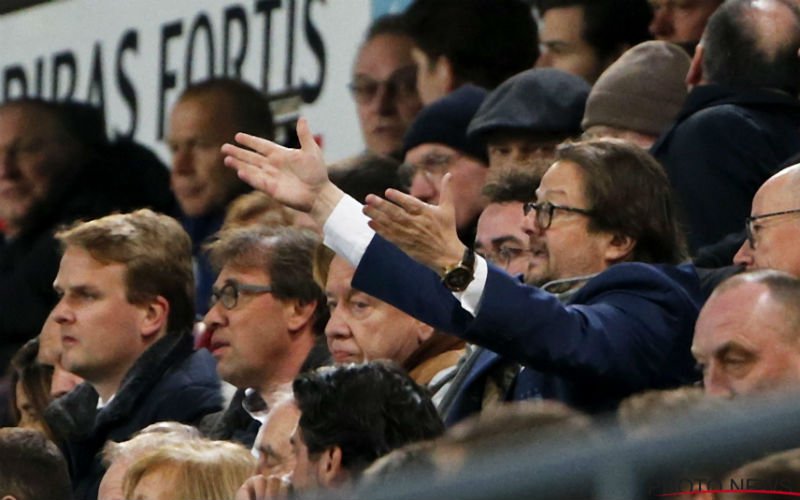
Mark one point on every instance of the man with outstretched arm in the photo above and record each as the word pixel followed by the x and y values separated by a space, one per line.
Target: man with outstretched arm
pixel 621 314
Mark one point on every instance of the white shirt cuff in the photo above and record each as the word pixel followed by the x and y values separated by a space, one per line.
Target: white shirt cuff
pixel 346 231
pixel 471 297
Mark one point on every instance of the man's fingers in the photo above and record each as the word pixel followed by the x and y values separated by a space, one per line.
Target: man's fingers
pixel 446 192
pixel 382 210
pixel 407 202
pixel 263 146
pixel 244 155
pixel 307 142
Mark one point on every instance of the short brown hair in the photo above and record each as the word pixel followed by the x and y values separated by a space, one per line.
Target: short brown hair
pixel 156 252
pixel 507 184
pixel 31 467
pixel 284 253
pixel 629 195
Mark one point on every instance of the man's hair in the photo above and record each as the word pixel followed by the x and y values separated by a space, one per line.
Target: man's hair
pixel 609 25
pixel 486 41
pixel 650 413
pixel 31 467
pixel 256 207
pixel 367 173
pixel 389 24
pixel 741 49
pixel 284 253
pixel 509 184
pixel 156 252
pixel 249 107
pixel 211 470
pixel 367 410
pixel 779 471
pixel 629 195
pixel 784 290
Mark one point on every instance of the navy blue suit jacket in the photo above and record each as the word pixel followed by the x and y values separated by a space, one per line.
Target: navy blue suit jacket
pixel 628 329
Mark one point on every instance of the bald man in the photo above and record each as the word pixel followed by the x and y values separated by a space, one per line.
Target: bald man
pixel 773 228
pixel 746 336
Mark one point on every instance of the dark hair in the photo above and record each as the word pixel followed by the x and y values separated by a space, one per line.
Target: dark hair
pixel 367 410
pixel 368 173
pixel 250 107
pixel 282 252
pixel 389 24
pixel 33 378
pixel 630 195
pixel 508 184
pixel 31 467
pixel 739 52
pixel 486 41
pixel 609 26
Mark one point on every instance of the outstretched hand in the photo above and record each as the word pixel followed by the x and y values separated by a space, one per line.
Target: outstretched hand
pixel 297 178
pixel 425 232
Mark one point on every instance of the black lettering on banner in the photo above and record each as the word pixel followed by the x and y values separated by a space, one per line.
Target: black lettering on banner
pixel 128 43
pixel 201 23
pixel 96 93
pixel 14 74
pixel 232 66
pixel 166 78
pixel 309 92
pixel 288 76
pixel 64 60
pixel 266 7
pixel 39 72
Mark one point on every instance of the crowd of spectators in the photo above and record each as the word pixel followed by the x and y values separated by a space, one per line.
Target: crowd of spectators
pixel 566 214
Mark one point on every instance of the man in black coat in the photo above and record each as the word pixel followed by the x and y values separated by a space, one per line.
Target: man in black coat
pixel 125 315
pixel 740 122
pixel 56 166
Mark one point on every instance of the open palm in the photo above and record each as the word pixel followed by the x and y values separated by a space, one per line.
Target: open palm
pixel 293 177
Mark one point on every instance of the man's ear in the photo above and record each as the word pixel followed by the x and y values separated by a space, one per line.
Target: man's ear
pixel 298 315
pixel 445 76
pixel 156 316
pixel 330 471
pixel 618 248
pixel 695 74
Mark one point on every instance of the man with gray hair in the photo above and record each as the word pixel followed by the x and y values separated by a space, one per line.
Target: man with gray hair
pixel 746 337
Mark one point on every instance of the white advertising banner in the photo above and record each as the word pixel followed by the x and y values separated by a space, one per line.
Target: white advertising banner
pixel 134 57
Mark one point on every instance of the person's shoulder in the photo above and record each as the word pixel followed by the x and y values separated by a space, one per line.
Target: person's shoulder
pixel 651 279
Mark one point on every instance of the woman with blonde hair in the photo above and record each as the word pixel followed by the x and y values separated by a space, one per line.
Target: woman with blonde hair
pixel 189 470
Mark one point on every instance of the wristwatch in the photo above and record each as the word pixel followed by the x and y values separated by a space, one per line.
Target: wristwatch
pixel 457 277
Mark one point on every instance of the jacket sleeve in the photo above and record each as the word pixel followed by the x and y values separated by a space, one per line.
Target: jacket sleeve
pixel 631 327
pixel 389 274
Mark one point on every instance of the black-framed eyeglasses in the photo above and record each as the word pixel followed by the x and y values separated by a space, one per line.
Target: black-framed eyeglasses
pixel 401 84
pixel 544 212
pixel 504 255
pixel 228 295
pixel 749 224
